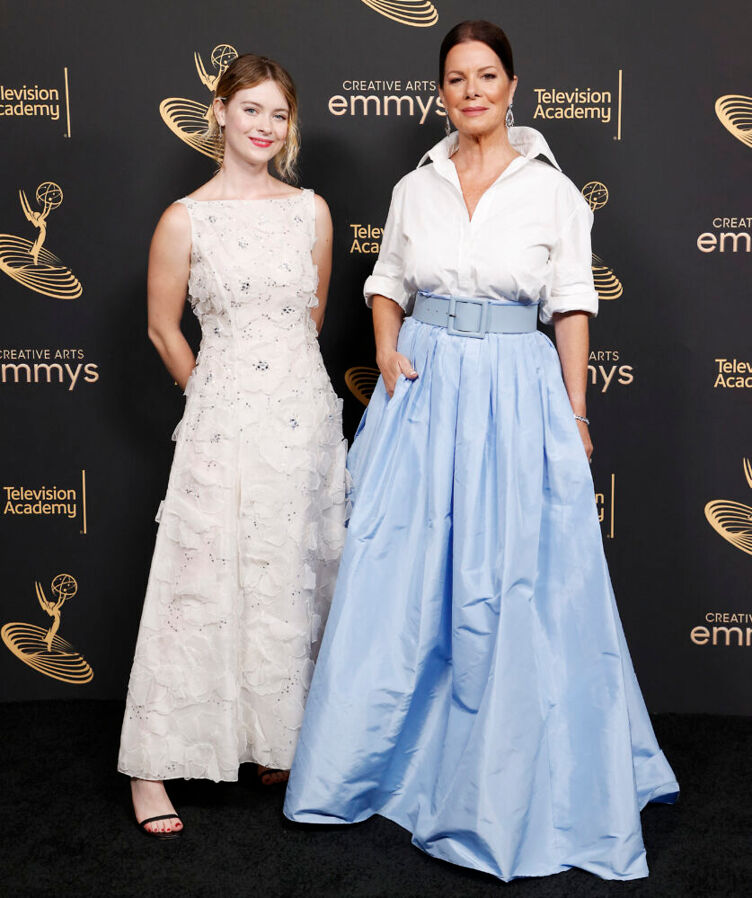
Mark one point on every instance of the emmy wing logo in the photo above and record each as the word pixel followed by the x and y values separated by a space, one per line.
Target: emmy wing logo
pixel 418 13
pixel 32 264
pixel 43 650
pixel 733 520
pixel 361 382
pixel 188 119
pixel 735 114
pixel 606 282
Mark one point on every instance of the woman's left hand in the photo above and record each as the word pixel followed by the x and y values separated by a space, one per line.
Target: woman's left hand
pixel 586 441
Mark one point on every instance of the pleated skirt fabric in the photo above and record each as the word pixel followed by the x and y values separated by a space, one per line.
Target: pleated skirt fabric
pixel 474 684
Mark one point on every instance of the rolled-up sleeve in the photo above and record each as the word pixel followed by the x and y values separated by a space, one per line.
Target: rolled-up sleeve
pixel 388 278
pixel 572 288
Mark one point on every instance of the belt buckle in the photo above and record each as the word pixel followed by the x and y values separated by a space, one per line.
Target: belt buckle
pixel 482 330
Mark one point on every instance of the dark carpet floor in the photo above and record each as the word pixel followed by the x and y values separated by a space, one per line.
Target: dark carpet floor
pixel 68 826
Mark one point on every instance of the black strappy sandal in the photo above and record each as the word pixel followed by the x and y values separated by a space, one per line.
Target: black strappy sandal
pixel 174 834
pixel 271 772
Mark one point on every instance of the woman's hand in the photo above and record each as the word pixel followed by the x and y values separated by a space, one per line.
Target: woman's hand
pixel 391 365
pixel 585 437
pixel 387 321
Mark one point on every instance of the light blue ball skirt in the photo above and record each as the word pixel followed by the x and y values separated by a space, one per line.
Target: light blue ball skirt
pixel 474 684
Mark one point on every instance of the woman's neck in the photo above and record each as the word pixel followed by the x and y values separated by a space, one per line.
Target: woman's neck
pixel 240 180
pixel 484 151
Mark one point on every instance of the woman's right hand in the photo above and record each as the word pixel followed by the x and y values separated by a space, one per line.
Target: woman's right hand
pixel 393 364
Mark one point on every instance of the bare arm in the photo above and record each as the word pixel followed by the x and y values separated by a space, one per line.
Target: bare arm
pixel 572 344
pixel 167 287
pixel 322 258
pixel 387 321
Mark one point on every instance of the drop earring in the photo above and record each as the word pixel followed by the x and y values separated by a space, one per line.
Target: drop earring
pixel 447 126
pixel 509 120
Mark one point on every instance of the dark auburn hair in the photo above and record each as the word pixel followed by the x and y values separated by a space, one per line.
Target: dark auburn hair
pixel 478 30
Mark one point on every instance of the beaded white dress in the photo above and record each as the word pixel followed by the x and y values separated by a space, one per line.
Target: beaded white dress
pixel 252 524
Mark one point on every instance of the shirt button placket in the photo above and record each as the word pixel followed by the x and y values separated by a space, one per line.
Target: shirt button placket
pixel 463 267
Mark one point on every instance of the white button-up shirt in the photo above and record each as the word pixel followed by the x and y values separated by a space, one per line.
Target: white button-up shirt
pixel 528 239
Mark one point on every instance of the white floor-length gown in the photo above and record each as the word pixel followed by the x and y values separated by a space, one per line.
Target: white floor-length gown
pixel 252 524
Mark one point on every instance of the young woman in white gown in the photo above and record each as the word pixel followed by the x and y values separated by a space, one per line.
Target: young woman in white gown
pixel 252 524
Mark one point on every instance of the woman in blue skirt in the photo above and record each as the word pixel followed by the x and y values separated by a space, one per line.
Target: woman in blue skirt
pixel 474 684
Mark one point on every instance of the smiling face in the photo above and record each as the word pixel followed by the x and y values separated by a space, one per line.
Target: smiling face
pixel 476 90
pixel 255 121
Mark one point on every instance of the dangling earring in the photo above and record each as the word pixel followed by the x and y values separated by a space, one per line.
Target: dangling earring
pixel 447 126
pixel 509 120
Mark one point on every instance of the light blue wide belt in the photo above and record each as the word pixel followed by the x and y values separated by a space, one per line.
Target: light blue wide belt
pixel 474 317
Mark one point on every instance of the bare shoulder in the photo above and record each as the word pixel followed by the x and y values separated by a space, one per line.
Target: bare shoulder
pixel 174 226
pixel 321 209
pixel 172 240
pixel 175 218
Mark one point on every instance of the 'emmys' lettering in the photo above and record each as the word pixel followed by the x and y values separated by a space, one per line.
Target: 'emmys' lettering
pixel 399 101
pixel 708 242
pixel 625 372
pixel 42 372
pixel 723 636
pixel 338 105
pixel 91 373
pixel 365 100
pixel 385 105
pixel 426 107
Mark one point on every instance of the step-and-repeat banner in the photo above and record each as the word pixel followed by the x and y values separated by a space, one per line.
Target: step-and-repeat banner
pixel 648 108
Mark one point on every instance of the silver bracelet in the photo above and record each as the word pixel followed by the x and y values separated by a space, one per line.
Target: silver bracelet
pixel 583 419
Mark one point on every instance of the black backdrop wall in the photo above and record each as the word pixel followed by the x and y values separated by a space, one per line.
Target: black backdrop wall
pixel 648 108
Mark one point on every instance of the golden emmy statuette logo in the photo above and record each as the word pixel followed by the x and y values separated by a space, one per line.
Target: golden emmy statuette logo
pixel 733 520
pixel 735 114
pixel 32 264
pixel 188 119
pixel 418 13
pixel 361 382
pixel 607 284
pixel 596 194
pixel 44 650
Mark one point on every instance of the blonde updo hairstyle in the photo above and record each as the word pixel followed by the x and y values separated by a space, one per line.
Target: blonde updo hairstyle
pixel 249 70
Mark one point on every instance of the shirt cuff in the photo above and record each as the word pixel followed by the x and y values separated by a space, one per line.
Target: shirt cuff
pixel 584 301
pixel 385 286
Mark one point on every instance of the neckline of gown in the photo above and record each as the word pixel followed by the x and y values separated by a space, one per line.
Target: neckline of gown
pixel 257 199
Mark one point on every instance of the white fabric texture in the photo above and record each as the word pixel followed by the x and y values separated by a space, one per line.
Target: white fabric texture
pixel 252 524
pixel 528 239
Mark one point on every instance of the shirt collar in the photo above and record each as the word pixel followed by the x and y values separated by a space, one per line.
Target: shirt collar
pixel 528 142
